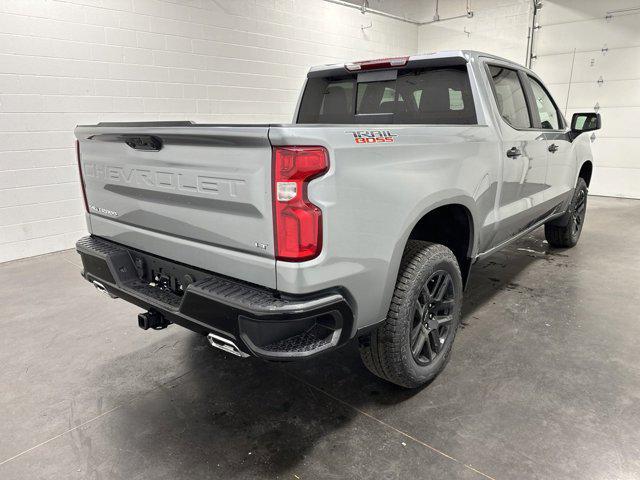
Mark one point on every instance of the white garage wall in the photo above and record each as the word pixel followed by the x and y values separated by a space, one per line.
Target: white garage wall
pixel 499 27
pixel 409 9
pixel 581 24
pixel 71 62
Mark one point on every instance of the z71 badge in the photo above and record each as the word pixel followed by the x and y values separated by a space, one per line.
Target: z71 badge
pixel 373 136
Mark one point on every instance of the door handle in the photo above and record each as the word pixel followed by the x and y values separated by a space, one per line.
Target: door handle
pixel 553 148
pixel 513 152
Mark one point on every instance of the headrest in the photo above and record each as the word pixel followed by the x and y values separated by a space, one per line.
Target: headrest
pixel 334 101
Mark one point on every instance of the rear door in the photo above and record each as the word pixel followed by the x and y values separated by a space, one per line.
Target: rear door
pixel 196 194
pixel 524 154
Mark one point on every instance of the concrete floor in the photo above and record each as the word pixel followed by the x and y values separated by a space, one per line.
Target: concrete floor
pixel 544 382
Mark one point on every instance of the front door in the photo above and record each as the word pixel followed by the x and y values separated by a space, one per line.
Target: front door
pixel 561 174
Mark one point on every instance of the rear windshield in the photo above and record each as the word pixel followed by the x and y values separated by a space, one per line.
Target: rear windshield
pixel 425 96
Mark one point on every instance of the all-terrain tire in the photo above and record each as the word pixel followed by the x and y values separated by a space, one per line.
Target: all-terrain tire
pixel 565 231
pixel 386 351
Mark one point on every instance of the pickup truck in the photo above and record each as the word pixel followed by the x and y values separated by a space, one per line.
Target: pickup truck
pixel 360 220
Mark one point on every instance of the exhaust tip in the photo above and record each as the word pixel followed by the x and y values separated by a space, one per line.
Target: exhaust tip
pixel 225 344
pixel 102 289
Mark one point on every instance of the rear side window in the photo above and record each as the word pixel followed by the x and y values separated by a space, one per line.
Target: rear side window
pixel 424 96
pixel 510 96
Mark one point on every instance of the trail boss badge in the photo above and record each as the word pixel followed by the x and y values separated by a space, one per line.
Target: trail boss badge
pixel 373 136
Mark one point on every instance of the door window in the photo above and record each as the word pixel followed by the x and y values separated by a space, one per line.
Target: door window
pixel 549 118
pixel 510 96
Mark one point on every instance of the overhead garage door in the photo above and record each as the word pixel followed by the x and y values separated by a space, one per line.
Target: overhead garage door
pixel 604 74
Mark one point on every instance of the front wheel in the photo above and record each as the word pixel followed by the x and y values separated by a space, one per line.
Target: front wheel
pixel 413 344
pixel 565 232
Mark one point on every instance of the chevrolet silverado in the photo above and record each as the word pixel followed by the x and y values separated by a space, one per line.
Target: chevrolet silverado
pixel 359 220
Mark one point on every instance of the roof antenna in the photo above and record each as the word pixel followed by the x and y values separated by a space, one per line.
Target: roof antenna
pixel 566 103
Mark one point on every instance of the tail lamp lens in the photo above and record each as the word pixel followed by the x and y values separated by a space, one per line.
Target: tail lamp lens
pixel 84 189
pixel 298 222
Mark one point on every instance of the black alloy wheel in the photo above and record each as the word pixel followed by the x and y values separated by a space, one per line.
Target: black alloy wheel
pixel 565 231
pixel 579 211
pixel 413 344
pixel 432 317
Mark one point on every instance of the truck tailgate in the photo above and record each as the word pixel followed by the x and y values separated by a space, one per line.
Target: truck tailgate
pixel 196 194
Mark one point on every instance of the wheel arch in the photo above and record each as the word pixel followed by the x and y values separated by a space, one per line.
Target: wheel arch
pixel 451 225
pixel 586 170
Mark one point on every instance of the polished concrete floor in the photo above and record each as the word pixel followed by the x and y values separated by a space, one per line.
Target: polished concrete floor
pixel 544 382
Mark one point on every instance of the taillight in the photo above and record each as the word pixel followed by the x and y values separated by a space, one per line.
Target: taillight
pixel 84 188
pixel 297 221
pixel 378 63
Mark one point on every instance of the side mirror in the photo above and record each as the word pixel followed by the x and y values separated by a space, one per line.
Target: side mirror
pixel 585 122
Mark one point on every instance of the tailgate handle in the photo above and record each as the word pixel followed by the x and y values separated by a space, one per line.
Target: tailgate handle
pixel 143 142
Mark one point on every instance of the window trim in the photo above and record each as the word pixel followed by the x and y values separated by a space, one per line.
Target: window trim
pixel 532 120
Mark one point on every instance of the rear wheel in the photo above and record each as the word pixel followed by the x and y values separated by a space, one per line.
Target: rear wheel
pixel 565 232
pixel 413 344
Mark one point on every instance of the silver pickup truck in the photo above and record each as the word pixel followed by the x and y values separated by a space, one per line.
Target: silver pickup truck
pixel 359 220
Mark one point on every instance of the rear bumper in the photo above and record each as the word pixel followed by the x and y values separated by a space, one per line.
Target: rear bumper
pixel 260 321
